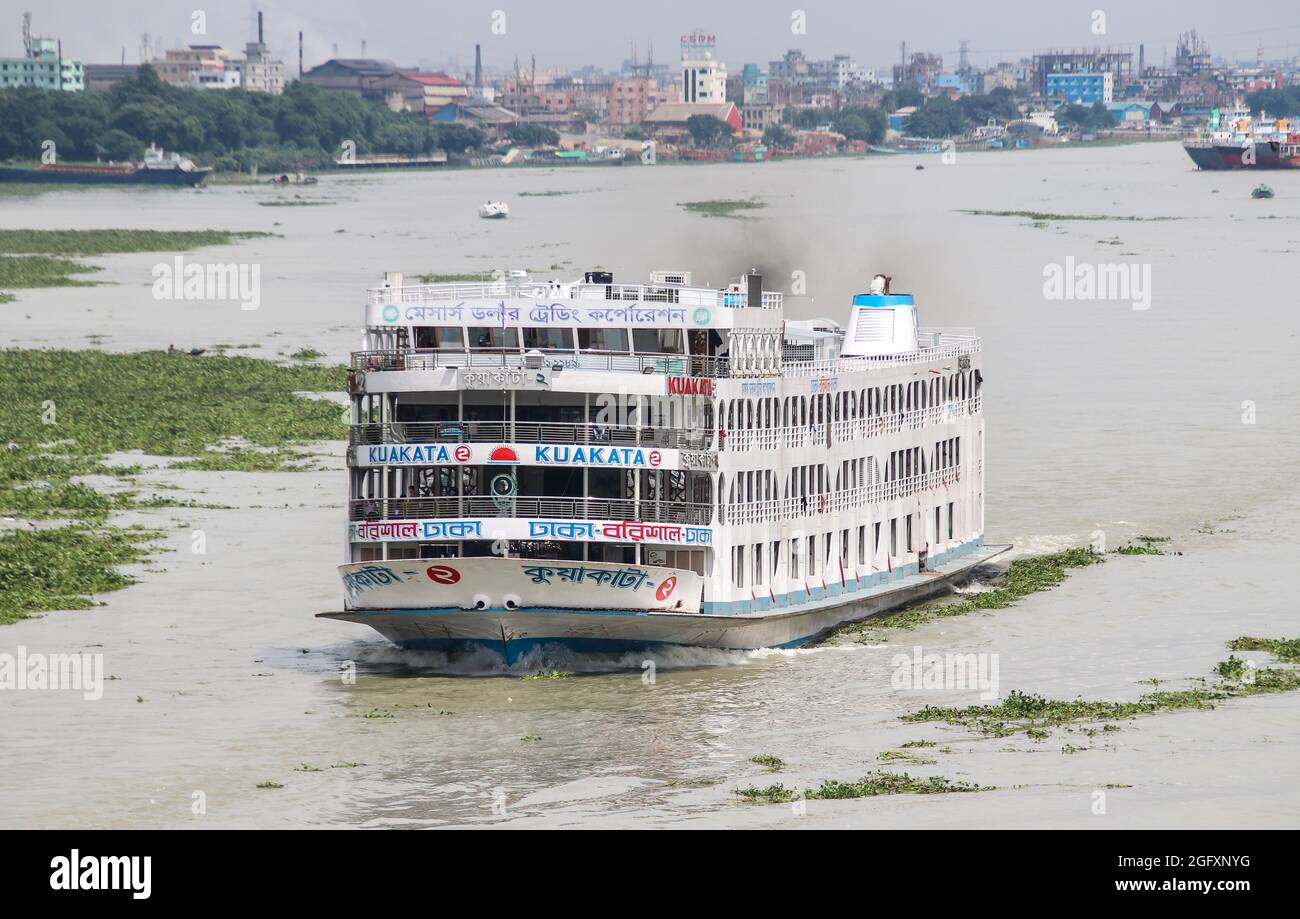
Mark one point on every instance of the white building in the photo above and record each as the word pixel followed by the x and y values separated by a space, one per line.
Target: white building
pixel 704 80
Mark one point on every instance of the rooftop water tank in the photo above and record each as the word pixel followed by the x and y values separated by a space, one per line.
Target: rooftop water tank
pixel 880 324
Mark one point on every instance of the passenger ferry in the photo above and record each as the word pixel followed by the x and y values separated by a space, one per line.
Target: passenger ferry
pixel 610 467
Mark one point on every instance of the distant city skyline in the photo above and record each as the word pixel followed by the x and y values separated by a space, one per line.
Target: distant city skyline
pixel 568 34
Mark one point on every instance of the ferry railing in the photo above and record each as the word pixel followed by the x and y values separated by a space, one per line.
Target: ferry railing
pixel 848 499
pixel 850 429
pixel 935 346
pixel 547 291
pixel 532 507
pixel 529 432
pixel 437 359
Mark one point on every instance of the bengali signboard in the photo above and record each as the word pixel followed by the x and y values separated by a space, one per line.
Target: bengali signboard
pixel 508 583
pixel 503 314
pixel 452 530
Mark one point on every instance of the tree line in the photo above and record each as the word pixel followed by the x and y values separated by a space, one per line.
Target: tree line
pixel 229 129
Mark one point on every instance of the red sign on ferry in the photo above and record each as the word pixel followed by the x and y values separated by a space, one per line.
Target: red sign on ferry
pixel 690 386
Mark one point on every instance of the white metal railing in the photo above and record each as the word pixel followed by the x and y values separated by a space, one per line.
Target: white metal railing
pixel 744 512
pixel 535 290
pixel 830 433
pixel 935 345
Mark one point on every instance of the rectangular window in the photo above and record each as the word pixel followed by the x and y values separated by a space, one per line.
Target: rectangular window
pixel 812 556
pixel 603 340
pixel 862 545
pixel 492 338
pixel 448 337
pixel 893 538
pixel 740 566
pixel 548 339
pixel 758 563
pixel 950 504
pixel 657 341
pixel 794 559
pixel 844 548
pixel 909 532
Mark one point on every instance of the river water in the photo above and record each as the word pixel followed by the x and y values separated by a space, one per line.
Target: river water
pixel 1103 422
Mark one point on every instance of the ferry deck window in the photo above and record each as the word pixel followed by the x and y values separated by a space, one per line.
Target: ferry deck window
pixel 657 341
pixel 548 339
pixel 491 338
pixel 602 340
pixel 439 337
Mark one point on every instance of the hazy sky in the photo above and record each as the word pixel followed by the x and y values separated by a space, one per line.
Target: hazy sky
pixel 573 32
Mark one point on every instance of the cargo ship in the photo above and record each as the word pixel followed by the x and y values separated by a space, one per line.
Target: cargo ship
pixel 1235 140
pixel 157 168
pixel 604 467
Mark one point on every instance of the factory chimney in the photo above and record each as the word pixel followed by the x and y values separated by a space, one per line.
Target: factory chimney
pixel 300 55
pixel 259 27
pixel 478 68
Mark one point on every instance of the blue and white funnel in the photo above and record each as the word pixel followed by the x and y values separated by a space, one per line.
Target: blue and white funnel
pixel 880 323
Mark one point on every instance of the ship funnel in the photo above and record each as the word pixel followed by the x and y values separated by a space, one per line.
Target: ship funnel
pixel 880 322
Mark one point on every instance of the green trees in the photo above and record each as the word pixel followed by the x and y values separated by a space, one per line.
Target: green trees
pixel 230 129
pixel 1279 102
pixel 1095 117
pixel 707 131
pixel 533 135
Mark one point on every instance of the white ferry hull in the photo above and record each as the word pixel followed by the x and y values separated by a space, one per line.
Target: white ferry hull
pixel 514 633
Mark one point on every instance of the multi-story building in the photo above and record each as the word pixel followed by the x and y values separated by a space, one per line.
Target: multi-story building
pixel 703 79
pixel 631 100
pixel 920 71
pixel 177 65
pixel 1117 63
pixel 1085 88
pixel 44 67
pixel 761 117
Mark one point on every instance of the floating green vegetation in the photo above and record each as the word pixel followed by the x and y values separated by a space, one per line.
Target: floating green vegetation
pixel 307 354
pixel 548 675
pixel 449 278
pixel 269 785
pixel 1131 549
pixel 1284 649
pixel 1036 715
pixel 1024 576
pixel 1043 217
pixel 545 194
pixel 702 782
pixel 917 743
pixel 531 738
pixel 29 271
pixel 37 258
pixel 722 207
pixel 295 202
pixel 897 756
pixel 870 785
pixel 62 567
pixel 103 242
pixel 66 410
pixel 1152 539
pixel 347 765
pixel 378 713
pixel 773 763
pixel 307 767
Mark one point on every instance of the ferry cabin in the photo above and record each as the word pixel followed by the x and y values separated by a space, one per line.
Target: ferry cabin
pixel 664 425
